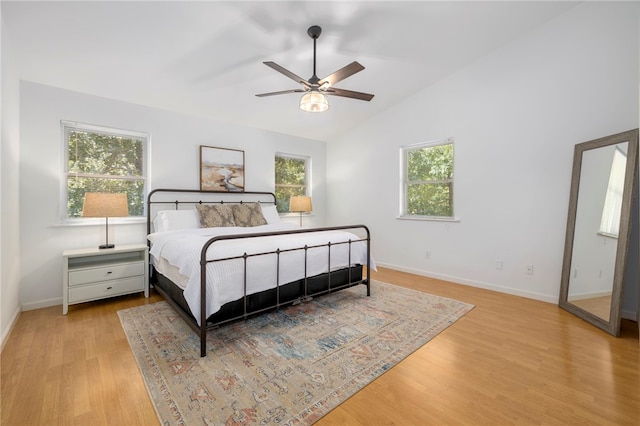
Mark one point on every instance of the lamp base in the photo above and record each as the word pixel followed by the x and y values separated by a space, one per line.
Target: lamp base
pixel 106 246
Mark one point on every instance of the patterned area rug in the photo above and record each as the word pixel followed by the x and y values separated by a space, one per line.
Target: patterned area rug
pixel 290 366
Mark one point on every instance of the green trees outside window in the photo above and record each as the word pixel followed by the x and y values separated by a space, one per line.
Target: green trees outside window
pixel 428 185
pixel 291 179
pixel 104 160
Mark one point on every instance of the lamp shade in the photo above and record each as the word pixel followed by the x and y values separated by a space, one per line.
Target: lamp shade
pixel 103 204
pixel 300 204
pixel 314 101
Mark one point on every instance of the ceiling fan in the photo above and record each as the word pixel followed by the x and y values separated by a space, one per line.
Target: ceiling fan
pixel 315 89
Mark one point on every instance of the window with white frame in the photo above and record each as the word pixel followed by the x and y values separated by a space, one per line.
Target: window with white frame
pixel 103 159
pixel 292 178
pixel 611 211
pixel 427 180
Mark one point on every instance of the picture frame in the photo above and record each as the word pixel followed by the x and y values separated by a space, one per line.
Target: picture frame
pixel 221 169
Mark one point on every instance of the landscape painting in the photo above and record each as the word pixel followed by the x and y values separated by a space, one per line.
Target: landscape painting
pixel 221 169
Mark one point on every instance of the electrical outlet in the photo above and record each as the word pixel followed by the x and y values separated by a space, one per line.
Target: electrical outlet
pixel 529 270
pixel 499 264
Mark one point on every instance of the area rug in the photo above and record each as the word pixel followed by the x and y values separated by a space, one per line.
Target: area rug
pixel 287 367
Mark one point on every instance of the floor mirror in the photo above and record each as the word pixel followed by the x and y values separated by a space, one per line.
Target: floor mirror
pixel 599 228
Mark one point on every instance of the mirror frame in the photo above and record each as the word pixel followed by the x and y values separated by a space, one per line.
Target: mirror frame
pixel 613 325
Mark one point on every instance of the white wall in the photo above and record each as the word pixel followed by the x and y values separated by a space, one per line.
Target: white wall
pixel 9 192
pixel 175 142
pixel 515 115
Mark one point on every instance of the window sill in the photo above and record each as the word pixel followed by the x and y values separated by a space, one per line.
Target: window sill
pixel 429 218
pixel 100 222
pixel 607 235
pixel 294 214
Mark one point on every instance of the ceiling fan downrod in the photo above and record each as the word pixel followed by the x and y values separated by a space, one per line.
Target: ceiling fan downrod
pixel 314 32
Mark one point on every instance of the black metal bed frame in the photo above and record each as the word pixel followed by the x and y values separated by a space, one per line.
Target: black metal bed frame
pixel 202 328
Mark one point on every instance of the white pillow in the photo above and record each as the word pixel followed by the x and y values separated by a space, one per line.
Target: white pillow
pixel 270 214
pixel 173 220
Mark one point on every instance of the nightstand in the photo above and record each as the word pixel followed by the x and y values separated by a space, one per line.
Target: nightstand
pixel 93 274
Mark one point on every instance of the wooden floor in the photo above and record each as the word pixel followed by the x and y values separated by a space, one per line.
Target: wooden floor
pixel 599 306
pixel 509 361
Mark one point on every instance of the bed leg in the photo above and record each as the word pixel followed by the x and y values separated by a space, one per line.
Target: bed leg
pixel 368 278
pixel 368 261
pixel 203 340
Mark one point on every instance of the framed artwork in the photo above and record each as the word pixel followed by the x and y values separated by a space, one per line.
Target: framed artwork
pixel 221 169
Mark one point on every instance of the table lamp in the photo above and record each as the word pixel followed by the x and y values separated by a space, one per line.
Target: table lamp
pixel 301 204
pixel 103 204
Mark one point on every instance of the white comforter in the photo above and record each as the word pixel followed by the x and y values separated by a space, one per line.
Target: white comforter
pixel 225 278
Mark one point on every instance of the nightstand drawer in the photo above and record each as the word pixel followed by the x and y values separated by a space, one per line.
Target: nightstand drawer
pixel 106 289
pixel 110 272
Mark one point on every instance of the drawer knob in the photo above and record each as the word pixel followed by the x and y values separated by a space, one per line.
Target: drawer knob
pixel 109 272
pixel 109 288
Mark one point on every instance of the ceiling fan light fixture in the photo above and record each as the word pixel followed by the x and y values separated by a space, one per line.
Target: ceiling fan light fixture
pixel 314 102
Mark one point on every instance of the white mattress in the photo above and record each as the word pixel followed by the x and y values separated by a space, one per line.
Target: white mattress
pixel 176 254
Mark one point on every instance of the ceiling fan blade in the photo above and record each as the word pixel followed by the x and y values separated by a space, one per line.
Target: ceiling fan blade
pixel 334 91
pixel 282 92
pixel 341 74
pixel 288 73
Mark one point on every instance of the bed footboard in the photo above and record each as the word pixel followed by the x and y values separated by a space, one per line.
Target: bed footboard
pixel 307 293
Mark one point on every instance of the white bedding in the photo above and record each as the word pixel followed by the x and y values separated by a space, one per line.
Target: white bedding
pixel 225 279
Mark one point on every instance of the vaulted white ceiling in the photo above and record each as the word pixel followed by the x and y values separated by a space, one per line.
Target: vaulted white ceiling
pixel 205 58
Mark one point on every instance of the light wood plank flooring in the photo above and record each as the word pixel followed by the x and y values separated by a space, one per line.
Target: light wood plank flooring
pixel 510 360
pixel 600 306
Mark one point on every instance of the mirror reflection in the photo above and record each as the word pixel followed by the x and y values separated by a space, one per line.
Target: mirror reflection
pixel 596 228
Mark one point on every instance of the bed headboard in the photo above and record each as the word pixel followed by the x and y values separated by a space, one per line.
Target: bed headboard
pixel 179 199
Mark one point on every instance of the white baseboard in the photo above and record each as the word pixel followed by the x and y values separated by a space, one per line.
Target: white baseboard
pixel 592 295
pixel 473 283
pixel 42 304
pixel 7 332
pixel 630 315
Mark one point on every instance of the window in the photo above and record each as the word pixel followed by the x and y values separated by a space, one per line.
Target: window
pixel 610 222
pixel 427 179
pixel 102 159
pixel 292 178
